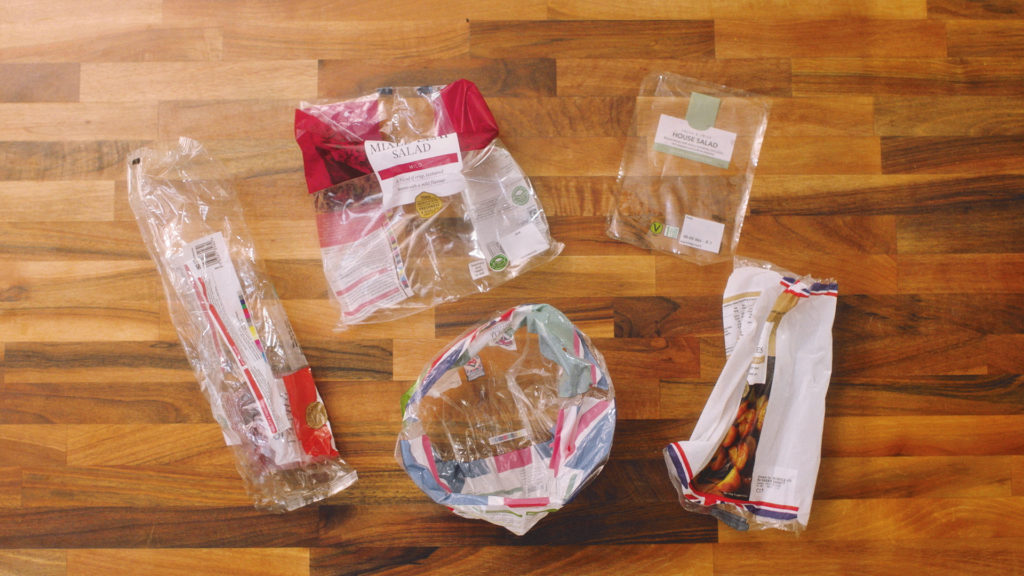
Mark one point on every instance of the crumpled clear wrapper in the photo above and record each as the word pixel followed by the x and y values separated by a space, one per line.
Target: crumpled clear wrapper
pixel 233 328
pixel 417 200
pixel 511 420
pixel 687 168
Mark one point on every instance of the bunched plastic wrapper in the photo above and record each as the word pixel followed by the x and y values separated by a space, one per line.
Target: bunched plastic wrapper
pixel 511 420
pixel 687 168
pixel 752 460
pixel 233 327
pixel 418 202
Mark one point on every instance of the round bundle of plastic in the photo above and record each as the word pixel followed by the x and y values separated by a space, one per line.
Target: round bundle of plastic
pixel 233 327
pixel 417 200
pixel 511 420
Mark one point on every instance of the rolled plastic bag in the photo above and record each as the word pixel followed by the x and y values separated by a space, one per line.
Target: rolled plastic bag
pixel 511 420
pixel 687 168
pixel 418 202
pixel 752 460
pixel 233 328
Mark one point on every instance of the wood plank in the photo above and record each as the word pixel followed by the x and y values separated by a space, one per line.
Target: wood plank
pixel 881 194
pixel 10 490
pixel 949 116
pixel 592 315
pixel 127 82
pixel 605 39
pixel 833 116
pixel 640 559
pixel 70 41
pixel 1018 476
pixel 873 316
pixel 325 40
pixel 863 38
pixel 138 486
pixel 100 160
pixel 619 10
pixel 587 237
pixel 931 355
pixel 186 562
pixel 583 276
pixel 110 402
pixel 124 321
pixel 156 528
pixel 20 201
pixel 964 273
pixel 972 39
pixel 181 445
pixel 207 120
pixel 821 155
pixel 926 395
pixel 358 10
pixel 964 231
pixel 36 562
pixel 575 195
pixel 355 360
pixel 100 12
pixel 622 76
pixel 859 436
pixel 30 445
pixel 943 556
pixel 992 9
pixel 315 318
pixel 952 155
pixel 57 283
pixel 919 477
pixel 557 117
pixel 39 82
pixel 96 362
pixel 563 156
pixel 647 317
pixel 506 77
pixel 363 401
pixel 855 10
pixel 683 400
pixel 908 76
pixel 762 235
pixel 599 523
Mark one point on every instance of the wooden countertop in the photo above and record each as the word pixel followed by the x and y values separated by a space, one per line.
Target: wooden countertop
pixel 894 161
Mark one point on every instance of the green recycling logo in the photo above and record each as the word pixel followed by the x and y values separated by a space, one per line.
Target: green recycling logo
pixel 657 227
pixel 520 195
pixel 498 263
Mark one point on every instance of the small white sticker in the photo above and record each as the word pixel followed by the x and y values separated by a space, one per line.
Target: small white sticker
pixel 675 136
pixel 478 269
pixel 702 234
pixel 474 368
pixel 523 243
pixel 671 231
pixel 521 433
pixel 738 318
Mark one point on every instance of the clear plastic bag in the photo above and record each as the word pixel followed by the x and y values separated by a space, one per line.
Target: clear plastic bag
pixel 752 460
pixel 511 420
pixel 417 200
pixel 233 327
pixel 687 168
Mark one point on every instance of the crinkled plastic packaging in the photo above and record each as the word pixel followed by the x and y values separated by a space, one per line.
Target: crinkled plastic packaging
pixel 233 327
pixel 752 460
pixel 417 200
pixel 510 421
pixel 687 168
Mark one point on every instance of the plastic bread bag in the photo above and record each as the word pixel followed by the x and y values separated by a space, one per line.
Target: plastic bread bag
pixel 233 327
pixel 752 460
pixel 687 168
pixel 417 200
pixel 511 420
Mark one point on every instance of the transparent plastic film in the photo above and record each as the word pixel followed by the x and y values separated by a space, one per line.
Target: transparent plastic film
pixel 752 460
pixel 420 201
pixel 510 421
pixel 233 328
pixel 687 168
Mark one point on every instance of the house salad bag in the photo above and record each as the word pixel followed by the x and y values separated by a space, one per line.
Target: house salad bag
pixel 752 460
pixel 417 200
pixel 511 420
pixel 233 327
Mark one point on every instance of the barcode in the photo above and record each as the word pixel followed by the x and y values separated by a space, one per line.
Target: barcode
pixel 206 254
pixel 494 248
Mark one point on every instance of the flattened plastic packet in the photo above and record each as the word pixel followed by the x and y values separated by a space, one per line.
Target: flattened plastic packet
pixel 511 420
pixel 233 327
pixel 752 460
pixel 418 202
pixel 687 168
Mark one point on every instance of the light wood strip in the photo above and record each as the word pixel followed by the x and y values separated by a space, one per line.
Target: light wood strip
pixel 26 201
pixel 964 273
pixel 30 445
pixel 198 446
pixel 922 436
pixel 748 38
pixel 83 283
pixel 821 155
pixel 124 321
pixel 96 362
pixel 187 562
pixel 207 120
pixel 138 486
pixel 127 82
pixel 69 41
pixel 16 562
pixel 494 77
pixel 919 477
pixel 10 489
pixel 622 76
pixel 996 38
pixel 114 401
pixel 949 116
pixel 356 11
pixel 99 12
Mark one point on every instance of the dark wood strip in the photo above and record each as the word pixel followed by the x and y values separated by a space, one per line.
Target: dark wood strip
pixel 622 76
pixel 606 39
pixel 494 77
pixel 938 155
pixel 909 76
pixel 37 82
pixel 989 9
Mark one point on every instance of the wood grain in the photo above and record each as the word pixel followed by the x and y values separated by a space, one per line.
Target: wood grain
pixel 892 162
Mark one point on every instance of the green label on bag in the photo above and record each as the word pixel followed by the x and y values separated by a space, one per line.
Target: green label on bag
pixel 499 263
pixel 657 227
pixel 520 195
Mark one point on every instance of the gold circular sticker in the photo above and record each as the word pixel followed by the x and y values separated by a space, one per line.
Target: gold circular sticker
pixel 316 415
pixel 428 204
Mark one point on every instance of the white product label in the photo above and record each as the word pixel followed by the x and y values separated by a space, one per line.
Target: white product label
pixel 474 368
pixel 672 231
pixel 523 243
pixel 207 265
pixel 367 274
pixel 738 318
pixel 776 487
pixel 702 234
pixel 478 269
pixel 432 165
pixel 675 136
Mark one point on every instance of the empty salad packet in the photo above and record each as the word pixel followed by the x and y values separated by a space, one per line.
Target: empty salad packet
pixel 511 420
pixel 687 168
pixel 418 202
pixel 233 328
pixel 752 460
